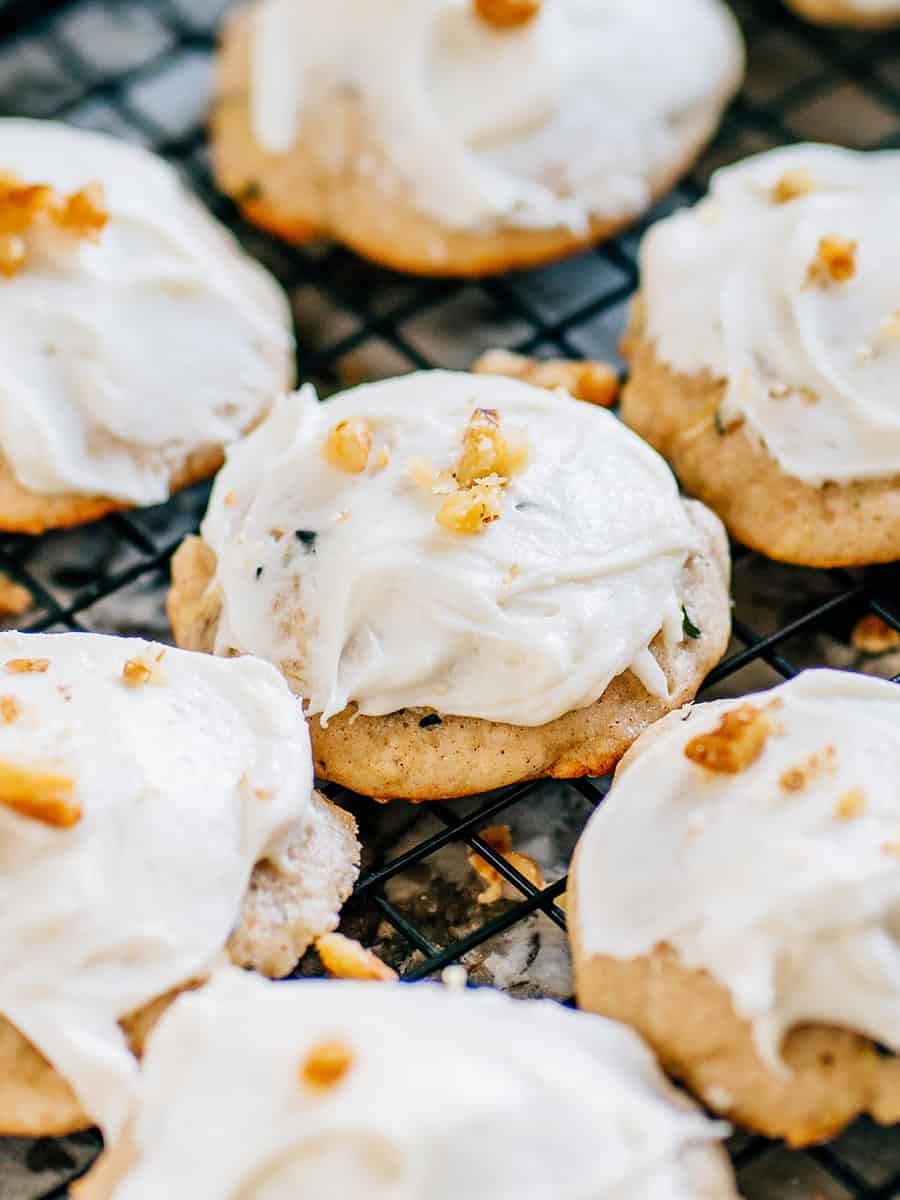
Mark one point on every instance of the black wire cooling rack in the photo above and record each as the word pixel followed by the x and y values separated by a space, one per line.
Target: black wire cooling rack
pixel 141 69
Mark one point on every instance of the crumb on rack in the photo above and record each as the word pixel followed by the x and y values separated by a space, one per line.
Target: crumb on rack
pixel 736 742
pixel 326 1064
pixel 507 14
pixel 26 209
pixel 872 635
pixel 499 838
pixel 14 598
pixel 792 185
pixel 835 262
pixel 348 444
pixel 345 958
pixel 39 796
pixel 592 381
pixel 823 762
pixel 27 666
pixel 851 805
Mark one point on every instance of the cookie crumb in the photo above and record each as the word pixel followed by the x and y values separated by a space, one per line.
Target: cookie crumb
pixel 823 762
pixel 507 14
pixel 736 742
pixel 10 710
pixel 14 598
pixel 27 666
pixel 792 185
pixel 851 805
pixel 348 444
pixel 39 796
pixel 590 380
pixel 835 262
pixel 499 838
pixel 345 958
pixel 872 635
pixel 326 1064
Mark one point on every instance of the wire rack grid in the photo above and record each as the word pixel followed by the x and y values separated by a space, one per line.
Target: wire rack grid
pixel 141 69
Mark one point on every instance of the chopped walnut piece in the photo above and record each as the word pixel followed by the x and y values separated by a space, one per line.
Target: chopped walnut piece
pixel 10 709
pixel 27 666
pixel 507 14
pixel 26 207
pixel 348 444
pixel 326 1064
pixel 872 635
pixel 499 838
pixel 835 262
pixel 792 185
pixel 347 959
pixel 382 458
pixel 823 762
pixel 39 796
pixel 486 451
pixel 851 805
pixel 591 381
pixel 470 510
pixel 736 742
pixel 14 598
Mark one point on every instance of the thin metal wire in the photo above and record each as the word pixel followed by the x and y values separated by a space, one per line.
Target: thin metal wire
pixel 827 60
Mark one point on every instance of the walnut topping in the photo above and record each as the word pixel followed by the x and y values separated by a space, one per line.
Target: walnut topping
pixel 507 14
pixel 736 742
pixel 486 451
pixel 872 635
pixel 591 381
pixel 470 510
pixel 326 1064
pixel 823 762
pixel 28 208
pixel 792 185
pixel 27 666
pixel 135 673
pixel 10 709
pixel 835 262
pixel 499 838
pixel 39 796
pixel 851 805
pixel 347 959
pixel 348 444
pixel 14 598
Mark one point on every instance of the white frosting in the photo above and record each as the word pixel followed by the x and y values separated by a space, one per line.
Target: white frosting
pixel 794 910
pixel 566 118
pixel 528 619
pixel 185 783
pixel 448 1094
pixel 725 292
pixel 121 357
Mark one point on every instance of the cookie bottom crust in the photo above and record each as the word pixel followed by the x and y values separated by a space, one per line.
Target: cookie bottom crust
pixel 688 1018
pixel 281 915
pixel 396 757
pixel 304 194
pixel 836 525
pixel 844 12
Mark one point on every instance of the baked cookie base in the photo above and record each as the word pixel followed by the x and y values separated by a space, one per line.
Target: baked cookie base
pixel 395 757
pixel 281 915
pixel 836 525
pixel 844 12
pixel 304 195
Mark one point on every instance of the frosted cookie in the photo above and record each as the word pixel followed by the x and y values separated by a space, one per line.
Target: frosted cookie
pixel 137 338
pixel 462 137
pixel 736 899
pixel 469 581
pixel 155 806
pixel 858 14
pixel 765 353
pixel 319 1089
